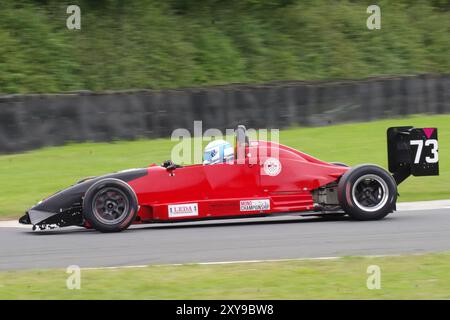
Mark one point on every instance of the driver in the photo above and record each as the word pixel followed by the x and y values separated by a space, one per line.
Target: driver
pixel 218 151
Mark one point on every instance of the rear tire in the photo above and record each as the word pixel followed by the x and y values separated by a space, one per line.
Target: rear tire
pixel 367 192
pixel 110 205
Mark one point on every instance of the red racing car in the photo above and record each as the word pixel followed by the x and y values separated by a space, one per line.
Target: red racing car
pixel 259 185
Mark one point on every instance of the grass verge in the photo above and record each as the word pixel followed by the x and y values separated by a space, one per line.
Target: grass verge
pixel 184 43
pixel 28 177
pixel 402 277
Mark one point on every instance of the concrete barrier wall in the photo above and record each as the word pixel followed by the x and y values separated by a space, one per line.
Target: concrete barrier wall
pixel 32 121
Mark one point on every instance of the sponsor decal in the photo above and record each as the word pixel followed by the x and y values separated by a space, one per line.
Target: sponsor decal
pixel 272 167
pixel 183 210
pixel 255 205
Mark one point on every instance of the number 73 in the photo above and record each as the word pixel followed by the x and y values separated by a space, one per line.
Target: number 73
pixel 434 150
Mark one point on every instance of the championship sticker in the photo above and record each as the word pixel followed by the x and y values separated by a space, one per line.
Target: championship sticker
pixel 183 210
pixel 272 167
pixel 255 205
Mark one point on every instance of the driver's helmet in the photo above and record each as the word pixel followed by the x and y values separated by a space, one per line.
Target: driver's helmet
pixel 218 151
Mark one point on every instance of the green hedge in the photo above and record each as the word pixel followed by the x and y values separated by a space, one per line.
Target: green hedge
pixel 180 43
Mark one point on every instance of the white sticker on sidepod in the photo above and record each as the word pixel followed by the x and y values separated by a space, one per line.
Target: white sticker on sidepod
pixel 272 167
pixel 183 210
pixel 255 205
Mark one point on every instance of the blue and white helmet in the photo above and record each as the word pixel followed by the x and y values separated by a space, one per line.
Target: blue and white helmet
pixel 218 151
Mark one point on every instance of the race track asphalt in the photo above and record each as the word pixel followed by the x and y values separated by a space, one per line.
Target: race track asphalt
pixel 227 240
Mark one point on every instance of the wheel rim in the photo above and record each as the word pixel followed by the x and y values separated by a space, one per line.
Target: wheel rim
pixel 110 206
pixel 370 193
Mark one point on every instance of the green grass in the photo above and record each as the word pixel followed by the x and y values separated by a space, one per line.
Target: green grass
pixel 183 43
pixel 28 177
pixel 402 277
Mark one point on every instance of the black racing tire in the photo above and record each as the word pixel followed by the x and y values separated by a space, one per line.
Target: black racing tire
pixel 367 192
pixel 110 205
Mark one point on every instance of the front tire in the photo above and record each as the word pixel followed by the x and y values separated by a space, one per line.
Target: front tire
pixel 110 205
pixel 367 192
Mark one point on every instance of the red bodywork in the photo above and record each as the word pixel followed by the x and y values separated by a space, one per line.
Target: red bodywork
pixel 227 190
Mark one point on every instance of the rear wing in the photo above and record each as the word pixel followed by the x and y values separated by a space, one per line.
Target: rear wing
pixel 412 151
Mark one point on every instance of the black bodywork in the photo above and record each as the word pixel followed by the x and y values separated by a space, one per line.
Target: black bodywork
pixel 64 208
pixel 401 153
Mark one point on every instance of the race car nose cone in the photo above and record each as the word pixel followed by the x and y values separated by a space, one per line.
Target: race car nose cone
pixel 25 219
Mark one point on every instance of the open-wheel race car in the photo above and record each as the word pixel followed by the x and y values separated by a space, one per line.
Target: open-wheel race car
pixel 265 178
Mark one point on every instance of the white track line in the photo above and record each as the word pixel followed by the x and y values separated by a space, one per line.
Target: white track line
pixel 13 224
pixel 244 261
pixel 211 263
pixel 423 205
